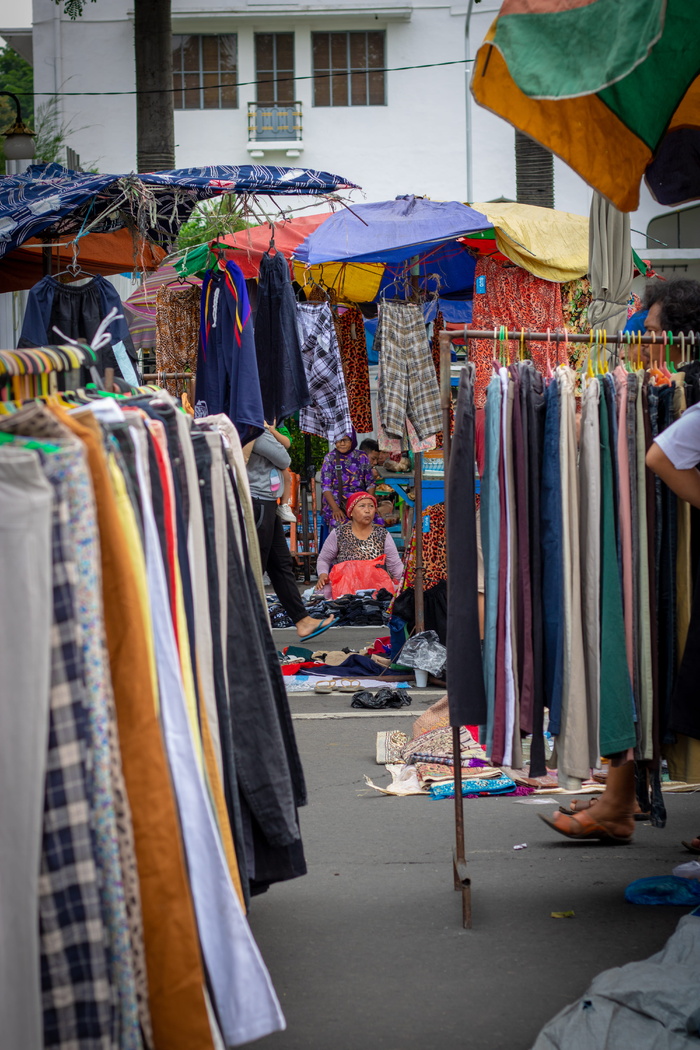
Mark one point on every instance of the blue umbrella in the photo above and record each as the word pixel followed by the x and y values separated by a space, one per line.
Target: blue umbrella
pixel 390 231
pixel 53 201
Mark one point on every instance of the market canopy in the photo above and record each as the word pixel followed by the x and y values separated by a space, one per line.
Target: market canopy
pixel 54 202
pixel 389 231
pixel 247 247
pixel 100 253
pixel 610 86
pixel 548 243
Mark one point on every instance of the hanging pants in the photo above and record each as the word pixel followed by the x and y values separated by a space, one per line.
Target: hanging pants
pixel 25 557
pixel 465 673
pixel 409 387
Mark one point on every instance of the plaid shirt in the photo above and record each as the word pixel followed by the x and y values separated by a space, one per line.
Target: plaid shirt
pixel 78 999
pixel 408 387
pixel 328 415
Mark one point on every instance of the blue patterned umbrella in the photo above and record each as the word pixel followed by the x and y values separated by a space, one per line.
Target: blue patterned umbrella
pixel 53 201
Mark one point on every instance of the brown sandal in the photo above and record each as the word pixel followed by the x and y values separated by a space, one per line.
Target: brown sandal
pixel 584 828
pixel 574 808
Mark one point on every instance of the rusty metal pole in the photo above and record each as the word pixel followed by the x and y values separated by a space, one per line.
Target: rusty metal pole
pixel 459 861
pixel 419 607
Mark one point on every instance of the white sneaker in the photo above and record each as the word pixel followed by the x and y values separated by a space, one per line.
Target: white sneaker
pixel 285 512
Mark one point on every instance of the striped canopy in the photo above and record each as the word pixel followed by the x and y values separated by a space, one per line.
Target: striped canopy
pixel 610 86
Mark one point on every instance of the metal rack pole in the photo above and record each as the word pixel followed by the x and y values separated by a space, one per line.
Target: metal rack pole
pixel 462 881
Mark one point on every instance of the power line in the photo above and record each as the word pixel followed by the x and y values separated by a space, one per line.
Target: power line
pixel 250 83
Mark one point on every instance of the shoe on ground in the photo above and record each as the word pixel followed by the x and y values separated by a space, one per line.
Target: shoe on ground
pixel 286 514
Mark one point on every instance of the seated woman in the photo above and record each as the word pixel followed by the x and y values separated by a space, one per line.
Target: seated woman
pixel 345 470
pixel 358 539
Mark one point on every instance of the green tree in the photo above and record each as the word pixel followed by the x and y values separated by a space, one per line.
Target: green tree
pixel 211 219
pixel 17 76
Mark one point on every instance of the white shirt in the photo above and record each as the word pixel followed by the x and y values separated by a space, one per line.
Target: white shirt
pixel 681 441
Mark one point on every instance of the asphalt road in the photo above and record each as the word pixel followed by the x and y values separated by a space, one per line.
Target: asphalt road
pixel 367 951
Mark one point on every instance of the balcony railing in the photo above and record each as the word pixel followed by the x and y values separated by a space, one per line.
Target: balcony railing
pixel 271 122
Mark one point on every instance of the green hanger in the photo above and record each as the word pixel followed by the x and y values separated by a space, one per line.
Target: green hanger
pixel 669 363
pixel 30 443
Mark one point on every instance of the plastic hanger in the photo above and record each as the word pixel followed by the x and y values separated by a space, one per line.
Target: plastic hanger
pixel 669 363
pixel 522 344
pixel 549 373
pixel 30 443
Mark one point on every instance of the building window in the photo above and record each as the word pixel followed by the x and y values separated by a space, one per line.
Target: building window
pixel 348 69
pixel 204 72
pixel 274 67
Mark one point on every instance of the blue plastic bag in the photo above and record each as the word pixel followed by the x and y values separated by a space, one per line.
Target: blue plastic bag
pixel 663 889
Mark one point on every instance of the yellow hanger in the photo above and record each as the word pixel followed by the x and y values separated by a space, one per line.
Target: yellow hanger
pixel 522 344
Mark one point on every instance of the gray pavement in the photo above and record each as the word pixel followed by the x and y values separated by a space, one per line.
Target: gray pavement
pixel 367 951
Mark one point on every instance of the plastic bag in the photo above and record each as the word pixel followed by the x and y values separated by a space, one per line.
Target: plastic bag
pixel 360 575
pixel 382 698
pixel 690 870
pixel 424 650
pixel 666 889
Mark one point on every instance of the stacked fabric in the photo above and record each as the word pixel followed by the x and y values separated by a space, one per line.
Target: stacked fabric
pixel 148 768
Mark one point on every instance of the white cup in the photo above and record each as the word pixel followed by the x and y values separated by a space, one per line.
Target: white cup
pixel 421 677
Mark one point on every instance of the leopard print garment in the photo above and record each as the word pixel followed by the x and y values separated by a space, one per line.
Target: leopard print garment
pixel 350 548
pixel 177 331
pixel 434 550
pixel 350 329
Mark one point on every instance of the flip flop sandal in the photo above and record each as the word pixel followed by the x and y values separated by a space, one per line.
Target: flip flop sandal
pixel 346 685
pixel 323 687
pixel 587 805
pixel 319 630
pixel 585 829
pixel 690 847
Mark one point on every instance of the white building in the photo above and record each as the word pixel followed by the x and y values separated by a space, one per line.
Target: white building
pixel 411 129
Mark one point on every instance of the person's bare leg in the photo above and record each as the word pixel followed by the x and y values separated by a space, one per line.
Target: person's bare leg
pixel 287 491
pixel 617 803
pixel 611 817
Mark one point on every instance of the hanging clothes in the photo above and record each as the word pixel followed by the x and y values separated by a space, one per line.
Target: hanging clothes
pixel 280 366
pixel 171 771
pixel 328 414
pixel 78 311
pixel 517 299
pixel 177 330
pixel 227 367
pixel 465 681
pixel 350 330
pixel 408 388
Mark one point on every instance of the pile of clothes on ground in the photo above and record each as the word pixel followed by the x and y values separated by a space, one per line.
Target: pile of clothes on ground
pixel 354 610
pixel 423 764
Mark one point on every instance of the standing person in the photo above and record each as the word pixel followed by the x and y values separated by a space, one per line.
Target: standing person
pixel 269 455
pixel 673 306
pixel 284 511
pixel 674 457
pixel 344 470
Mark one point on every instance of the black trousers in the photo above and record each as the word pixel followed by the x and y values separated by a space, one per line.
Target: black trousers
pixel 276 558
pixel 465 671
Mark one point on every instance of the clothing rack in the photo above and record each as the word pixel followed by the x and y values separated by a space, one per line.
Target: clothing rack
pixel 596 337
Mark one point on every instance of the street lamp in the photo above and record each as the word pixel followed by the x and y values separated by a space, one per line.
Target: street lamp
pixel 19 139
